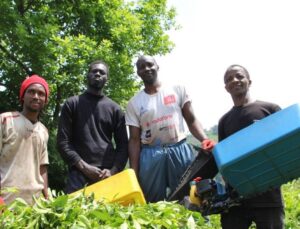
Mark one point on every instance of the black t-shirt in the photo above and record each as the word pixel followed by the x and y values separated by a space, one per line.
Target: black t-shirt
pixel 238 118
pixel 89 127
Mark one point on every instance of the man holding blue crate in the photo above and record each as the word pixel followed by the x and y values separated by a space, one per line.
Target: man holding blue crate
pixel 265 210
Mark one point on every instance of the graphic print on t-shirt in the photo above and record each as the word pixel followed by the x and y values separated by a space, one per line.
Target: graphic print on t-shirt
pixel 169 99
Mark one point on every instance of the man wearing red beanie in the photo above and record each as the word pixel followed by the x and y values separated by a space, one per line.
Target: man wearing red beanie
pixel 31 80
pixel 23 144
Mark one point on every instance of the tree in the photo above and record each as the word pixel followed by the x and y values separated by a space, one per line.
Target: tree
pixel 57 39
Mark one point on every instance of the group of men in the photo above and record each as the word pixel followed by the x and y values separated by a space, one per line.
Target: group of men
pixel 93 141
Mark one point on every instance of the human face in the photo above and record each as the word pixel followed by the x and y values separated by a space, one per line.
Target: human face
pixel 147 69
pixel 34 98
pixel 237 81
pixel 97 76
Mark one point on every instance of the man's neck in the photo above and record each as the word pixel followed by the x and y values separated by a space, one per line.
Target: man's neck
pixel 242 100
pixel 31 116
pixel 153 88
pixel 94 91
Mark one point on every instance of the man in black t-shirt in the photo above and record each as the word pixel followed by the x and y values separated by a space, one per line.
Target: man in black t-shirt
pixel 266 209
pixel 92 137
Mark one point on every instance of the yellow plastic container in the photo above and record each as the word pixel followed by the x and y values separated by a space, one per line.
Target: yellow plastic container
pixel 122 188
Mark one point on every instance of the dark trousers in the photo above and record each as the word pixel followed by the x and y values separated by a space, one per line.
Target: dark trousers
pixel 76 180
pixel 264 218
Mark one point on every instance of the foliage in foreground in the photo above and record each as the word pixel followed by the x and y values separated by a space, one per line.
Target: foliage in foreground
pixel 84 212
pixel 291 193
pixel 63 211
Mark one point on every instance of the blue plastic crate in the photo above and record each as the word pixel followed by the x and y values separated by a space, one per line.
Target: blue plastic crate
pixel 263 155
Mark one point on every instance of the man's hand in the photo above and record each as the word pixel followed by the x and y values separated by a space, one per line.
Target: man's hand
pixel 90 171
pixel 105 174
pixel 208 144
pixel 108 173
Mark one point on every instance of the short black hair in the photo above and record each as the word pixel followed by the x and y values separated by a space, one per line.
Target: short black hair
pixel 237 66
pixel 141 57
pixel 98 62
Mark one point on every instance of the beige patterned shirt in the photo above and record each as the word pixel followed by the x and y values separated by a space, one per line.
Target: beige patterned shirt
pixel 23 149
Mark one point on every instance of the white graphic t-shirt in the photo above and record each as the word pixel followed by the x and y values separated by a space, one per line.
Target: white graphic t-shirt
pixel 159 116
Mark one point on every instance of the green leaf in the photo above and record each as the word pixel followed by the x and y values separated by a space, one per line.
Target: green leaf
pixel 83 219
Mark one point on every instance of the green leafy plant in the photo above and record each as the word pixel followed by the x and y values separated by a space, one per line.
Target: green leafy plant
pixel 291 195
pixel 63 211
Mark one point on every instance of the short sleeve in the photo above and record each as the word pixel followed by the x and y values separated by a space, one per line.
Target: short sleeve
pixel 183 95
pixel 131 117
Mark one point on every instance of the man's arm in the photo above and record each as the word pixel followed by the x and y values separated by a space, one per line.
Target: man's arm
pixel 65 133
pixel 90 171
pixel 134 148
pixel 121 141
pixel 195 127
pixel 192 122
pixel 66 148
pixel 44 174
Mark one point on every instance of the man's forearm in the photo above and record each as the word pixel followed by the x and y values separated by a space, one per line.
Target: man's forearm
pixel 121 157
pixel 44 174
pixel 197 131
pixel 67 152
pixel 134 156
pixel 91 172
pixel 81 165
pixel 65 145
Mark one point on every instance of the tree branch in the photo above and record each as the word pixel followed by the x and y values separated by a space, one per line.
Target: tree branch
pixel 57 105
pixel 20 6
pixel 29 4
pixel 13 58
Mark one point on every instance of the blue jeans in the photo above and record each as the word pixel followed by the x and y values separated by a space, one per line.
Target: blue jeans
pixel 161 167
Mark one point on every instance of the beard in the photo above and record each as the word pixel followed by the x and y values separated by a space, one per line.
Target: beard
pixel 34 110
pixel 96 84
pixel 150 80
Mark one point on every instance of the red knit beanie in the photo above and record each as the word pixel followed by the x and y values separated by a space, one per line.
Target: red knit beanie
pixel 32 80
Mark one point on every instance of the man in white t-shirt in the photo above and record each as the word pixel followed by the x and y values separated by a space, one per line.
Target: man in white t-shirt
pixel 158 151
pixel 23 144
